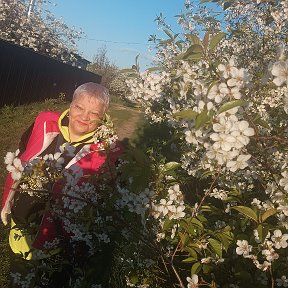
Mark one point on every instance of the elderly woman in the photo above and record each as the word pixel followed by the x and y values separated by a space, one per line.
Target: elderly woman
pixel 50 131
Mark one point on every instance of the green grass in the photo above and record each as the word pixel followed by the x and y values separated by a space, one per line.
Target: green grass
pixel 14 121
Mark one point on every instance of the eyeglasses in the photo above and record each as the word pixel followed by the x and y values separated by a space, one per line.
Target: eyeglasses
pixel 93 115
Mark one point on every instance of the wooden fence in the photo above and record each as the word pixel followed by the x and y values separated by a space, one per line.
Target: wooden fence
pixel 26 76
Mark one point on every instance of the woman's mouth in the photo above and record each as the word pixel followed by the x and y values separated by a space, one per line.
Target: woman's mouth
pixel 82 123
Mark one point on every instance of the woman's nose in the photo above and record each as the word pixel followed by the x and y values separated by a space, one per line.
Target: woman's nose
pixel 85 115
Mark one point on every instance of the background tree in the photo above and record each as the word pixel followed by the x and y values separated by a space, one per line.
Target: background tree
pixel 41 32
pixel 112 77
pixel 103 66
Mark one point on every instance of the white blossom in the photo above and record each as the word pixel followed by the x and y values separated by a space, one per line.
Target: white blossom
pixel 282 282
pixel 222 141
pixel 264 266
pixel 175 193
pixel 10 156
pixel 270 254
pixel 243 248
pixel 239 163
pixel 15 169
pixel 193 281
pixel 280 72
pixel 279 239
pixel 227 69
pixel 284 181
pixel 239 78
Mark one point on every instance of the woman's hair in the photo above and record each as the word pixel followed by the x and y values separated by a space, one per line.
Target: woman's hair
pixel 94 90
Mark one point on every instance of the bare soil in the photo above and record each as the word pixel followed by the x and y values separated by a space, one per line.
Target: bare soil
pixel 127 129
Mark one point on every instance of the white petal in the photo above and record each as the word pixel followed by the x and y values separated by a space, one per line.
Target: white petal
pixel 9 158
pixel 278 81
pixel 249 132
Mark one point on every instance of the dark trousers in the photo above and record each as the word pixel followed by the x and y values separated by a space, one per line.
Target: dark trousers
pixel 58 271
pixel 54 276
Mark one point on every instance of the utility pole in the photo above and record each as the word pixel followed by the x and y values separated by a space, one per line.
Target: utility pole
pixel 30 7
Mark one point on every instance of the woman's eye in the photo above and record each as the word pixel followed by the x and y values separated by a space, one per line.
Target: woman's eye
pixel 79 108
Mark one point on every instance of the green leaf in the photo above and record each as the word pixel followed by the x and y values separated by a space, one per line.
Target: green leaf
pixel 207 208
pixel 206 40
pixel 140 172
pixel 191 229
pixel 216 246
pixel 136 59
pixel 193 38
pixel 134 279
pixel 193 248
pixel 201 119
pixel 180 56
pixel 226 239
pixel 152 69
pixel 196 222
pixel 196 267
pixel 262 232
pixel 179 44
pixel 194 52
pixel 128 70
pixel 205 175
pixel 171 166
pixel 227 5
pixel 201 218
pixel 189 260
pixel 215 40
pixel 195 48
pixel 167 224
pixel 140 156
pixel 258 120
pixel 191 225
pixel 246 211
pixel 207 268
pixel 140 180
pixel 195 56
pixel 168 33
pixel 268 213
pixel 192 253
pixel 186 114
pixel 164 42
pixel 231 104
pixel 205 1
pixel 183 224
pixel 184 239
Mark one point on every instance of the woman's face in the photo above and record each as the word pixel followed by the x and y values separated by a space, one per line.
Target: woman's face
pixel 85 115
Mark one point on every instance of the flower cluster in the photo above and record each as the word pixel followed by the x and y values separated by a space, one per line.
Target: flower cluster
pixel 223 100
pixel 173 207
pixel 137 203
pixel 276 241
pixel 14 165
pixel 213 208
pixel 45 35
pixel 82 204
pixel 105 134
pixel 222 142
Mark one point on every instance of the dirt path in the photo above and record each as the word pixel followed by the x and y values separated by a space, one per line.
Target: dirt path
pixel 127 129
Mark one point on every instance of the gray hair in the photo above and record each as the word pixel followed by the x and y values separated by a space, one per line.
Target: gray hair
pixel 95 90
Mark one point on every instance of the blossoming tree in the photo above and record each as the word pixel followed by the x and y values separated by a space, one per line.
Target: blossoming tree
pixel 207 205
pixel 41 32
pixel 220 210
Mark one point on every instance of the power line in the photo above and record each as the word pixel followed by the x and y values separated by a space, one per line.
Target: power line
pixel 116 42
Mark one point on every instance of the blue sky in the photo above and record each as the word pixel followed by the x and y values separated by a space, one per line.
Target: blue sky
pixel 123 26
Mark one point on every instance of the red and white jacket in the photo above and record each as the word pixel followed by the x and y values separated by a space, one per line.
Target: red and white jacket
pixel 89 159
